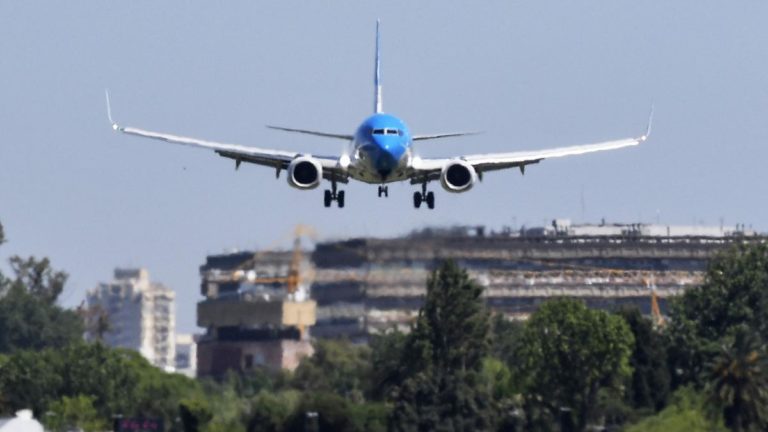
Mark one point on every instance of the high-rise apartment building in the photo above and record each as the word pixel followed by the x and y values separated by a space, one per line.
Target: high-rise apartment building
pixel 133 312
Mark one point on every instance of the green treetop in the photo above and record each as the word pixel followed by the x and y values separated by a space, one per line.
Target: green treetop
pixel 442 360
pixel 569 353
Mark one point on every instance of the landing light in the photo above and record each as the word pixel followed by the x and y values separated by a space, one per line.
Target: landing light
pixel 344 161
pixel 416 162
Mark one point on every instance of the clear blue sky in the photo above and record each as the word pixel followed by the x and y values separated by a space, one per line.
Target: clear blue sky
pixel 530 74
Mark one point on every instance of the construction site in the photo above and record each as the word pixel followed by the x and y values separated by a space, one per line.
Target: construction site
pixel 262 307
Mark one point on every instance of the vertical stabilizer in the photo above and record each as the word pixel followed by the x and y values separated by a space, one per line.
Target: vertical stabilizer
pixel 377 104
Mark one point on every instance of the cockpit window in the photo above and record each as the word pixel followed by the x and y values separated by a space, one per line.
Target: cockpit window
pixel 387 132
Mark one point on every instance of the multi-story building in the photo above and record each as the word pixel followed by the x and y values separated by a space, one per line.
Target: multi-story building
pixel 256 312
pixel 186 354
pixel 133 312
pixel 364 286
pixel 367 285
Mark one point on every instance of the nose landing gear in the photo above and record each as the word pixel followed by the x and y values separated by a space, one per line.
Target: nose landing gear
pixel 383 190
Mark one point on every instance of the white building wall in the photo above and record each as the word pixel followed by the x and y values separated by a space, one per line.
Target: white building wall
pixel 141 315
pixel 186 355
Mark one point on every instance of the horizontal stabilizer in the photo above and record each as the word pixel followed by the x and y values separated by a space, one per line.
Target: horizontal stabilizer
pixel 443 135
pixel 311 132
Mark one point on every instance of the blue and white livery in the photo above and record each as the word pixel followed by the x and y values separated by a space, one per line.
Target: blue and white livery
pixel 379 152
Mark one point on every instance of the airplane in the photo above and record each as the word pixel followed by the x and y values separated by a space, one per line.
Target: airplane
pixel 380 151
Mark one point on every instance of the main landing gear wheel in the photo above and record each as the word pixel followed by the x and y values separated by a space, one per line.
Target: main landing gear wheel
pixel 417 199
pixel 383 190
pixel 424 196
pixel 327 198
pixel 430 200
pixel 332 195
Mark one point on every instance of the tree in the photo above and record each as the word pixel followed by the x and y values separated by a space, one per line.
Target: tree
pixel 336 366
pixel 732 296
pixel 443 357
pixel 119 381
pixel 271 411
pixel 738 383
pixel 73 413
pixel 506 336
pixel 3 281
pixel 386 352
pixel 29 317
pixel 38 278
pixel 569 353
pixel 649 385
pixel 331 412
pixel 30 380
pixel 685 413
pixel 26 322
pixel 194 414
pixel 228 403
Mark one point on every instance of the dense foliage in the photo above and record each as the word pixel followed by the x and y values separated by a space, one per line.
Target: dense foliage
pixel 570 353
pixel 439 371
pixel 459 368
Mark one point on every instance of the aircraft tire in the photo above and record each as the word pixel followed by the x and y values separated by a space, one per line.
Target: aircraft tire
pixel 417 199
pixel 430 200
pixel 327 198
pixel 340 199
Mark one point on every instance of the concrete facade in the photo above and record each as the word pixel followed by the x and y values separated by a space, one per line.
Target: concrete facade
pixel 367 285
pixel 186 355
pixel 251 319
pixel 140 315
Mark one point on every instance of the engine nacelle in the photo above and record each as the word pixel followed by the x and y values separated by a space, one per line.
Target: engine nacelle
pixel 305 173
pixel 458 176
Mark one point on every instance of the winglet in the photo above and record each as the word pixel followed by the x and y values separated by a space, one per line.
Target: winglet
pixel 648 128
pixel 114 124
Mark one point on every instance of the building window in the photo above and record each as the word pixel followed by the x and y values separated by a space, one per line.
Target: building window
pixel 248 361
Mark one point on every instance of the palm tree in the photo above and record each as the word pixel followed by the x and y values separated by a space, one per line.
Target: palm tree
pixel 738 384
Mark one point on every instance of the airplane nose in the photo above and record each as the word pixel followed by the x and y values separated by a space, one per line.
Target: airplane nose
pixel 385 164
pixel 388 154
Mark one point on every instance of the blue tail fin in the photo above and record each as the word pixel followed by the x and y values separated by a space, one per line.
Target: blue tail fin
pixel 377 103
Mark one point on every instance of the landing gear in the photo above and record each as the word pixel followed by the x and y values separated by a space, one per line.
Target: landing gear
pixel 383 190
pixel 333 195
pixel 419 197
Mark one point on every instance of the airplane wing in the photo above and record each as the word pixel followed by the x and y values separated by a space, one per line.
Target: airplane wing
pixel 278 159
pixel 429 169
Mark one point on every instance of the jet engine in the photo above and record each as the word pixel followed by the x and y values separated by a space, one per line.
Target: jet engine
pixel 305 173
pixel 458 176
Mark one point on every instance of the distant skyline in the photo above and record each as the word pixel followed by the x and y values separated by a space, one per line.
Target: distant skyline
pixel 530 74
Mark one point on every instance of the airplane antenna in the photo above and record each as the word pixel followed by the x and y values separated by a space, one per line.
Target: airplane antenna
pixel 377 103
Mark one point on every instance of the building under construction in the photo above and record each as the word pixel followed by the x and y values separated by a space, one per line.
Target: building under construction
pixel 257 309
pixel 368 285
pixel 256 312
